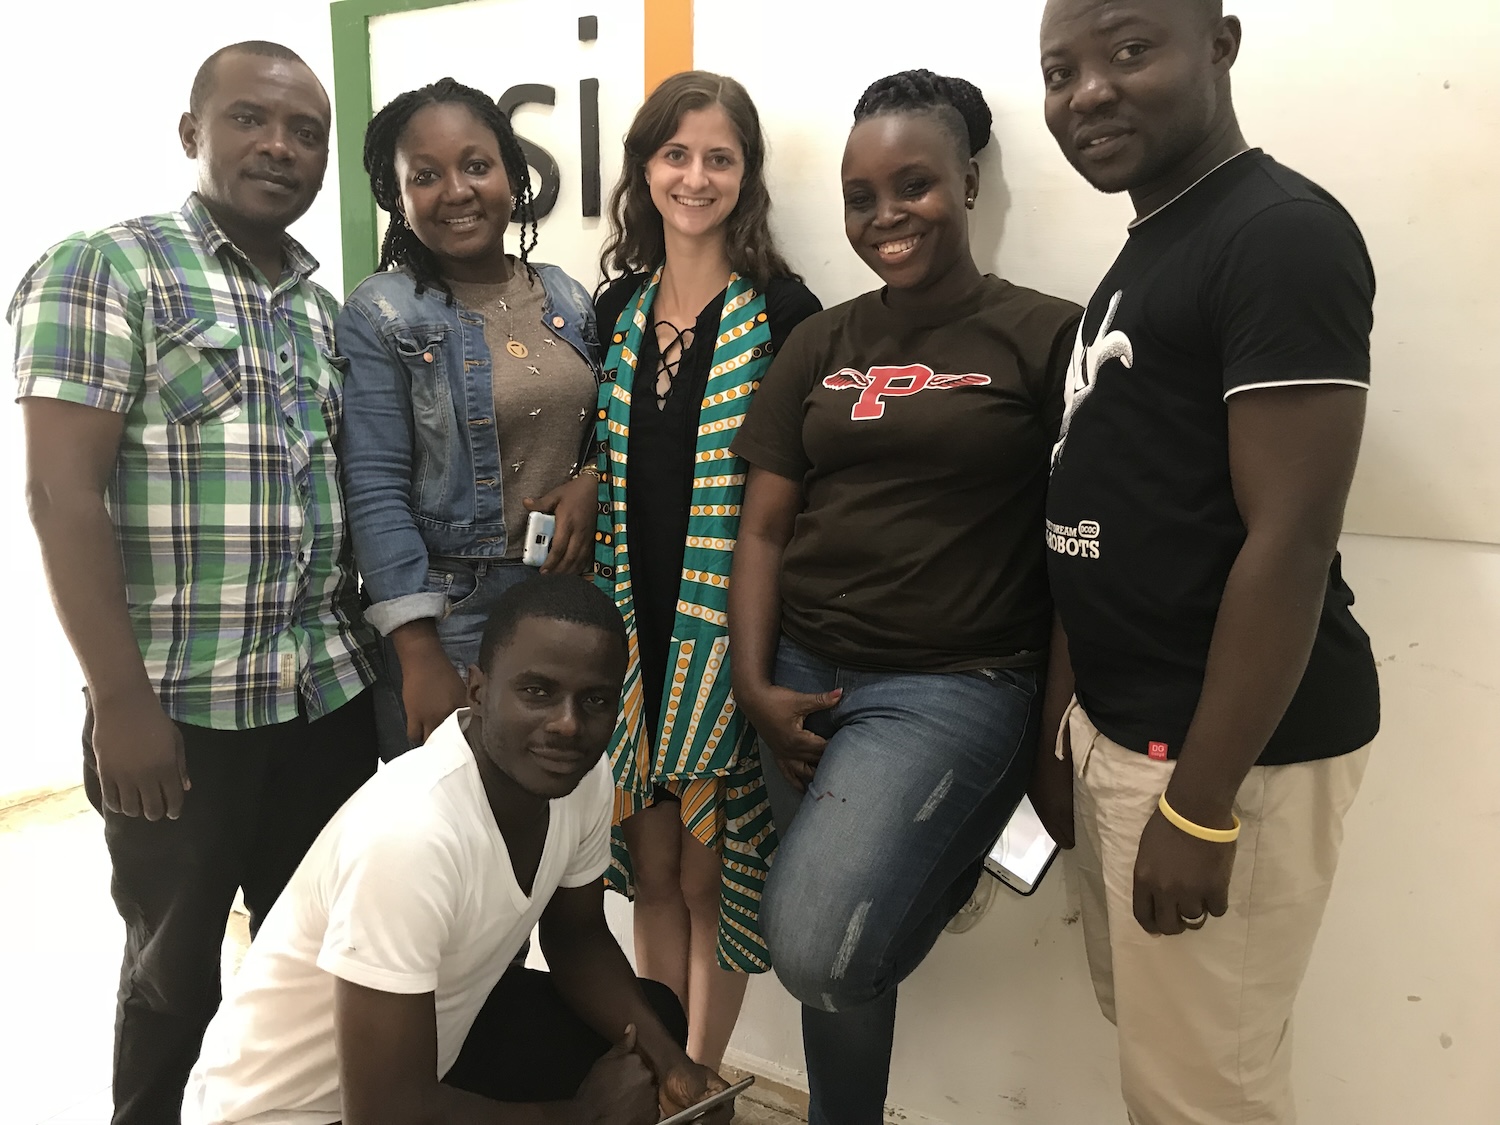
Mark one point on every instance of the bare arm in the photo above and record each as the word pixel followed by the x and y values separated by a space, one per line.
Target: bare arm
pixel 596 981
pixel 70 455
pixel 767 516
pixel 1292 454
pixel 768 513
pixel 1051 789
pixel 431 688
pixel 387 1049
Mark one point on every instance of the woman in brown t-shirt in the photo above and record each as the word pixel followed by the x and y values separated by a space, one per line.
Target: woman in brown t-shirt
pixel 888 606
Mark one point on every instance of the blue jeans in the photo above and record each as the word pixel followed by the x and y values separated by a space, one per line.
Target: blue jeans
pixel 470 587
pixel 921 772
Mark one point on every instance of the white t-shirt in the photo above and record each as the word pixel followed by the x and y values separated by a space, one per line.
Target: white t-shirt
pixel 409 889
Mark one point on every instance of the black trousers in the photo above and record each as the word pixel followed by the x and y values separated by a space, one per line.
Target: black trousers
pixel 259 799
pixel 526 1045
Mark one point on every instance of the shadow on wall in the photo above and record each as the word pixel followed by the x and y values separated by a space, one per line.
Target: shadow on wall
pixel 1395 489
pixel 987 227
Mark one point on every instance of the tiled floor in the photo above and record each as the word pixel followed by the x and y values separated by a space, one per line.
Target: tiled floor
pixel 59 957
pixel 749 1113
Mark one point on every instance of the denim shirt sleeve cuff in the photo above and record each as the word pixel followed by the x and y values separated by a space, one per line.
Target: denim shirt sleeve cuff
pixel 390 615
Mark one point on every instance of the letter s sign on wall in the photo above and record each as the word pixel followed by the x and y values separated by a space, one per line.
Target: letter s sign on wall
pixel 566 78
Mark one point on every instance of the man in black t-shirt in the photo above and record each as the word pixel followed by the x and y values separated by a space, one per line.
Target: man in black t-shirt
pixel 1210 695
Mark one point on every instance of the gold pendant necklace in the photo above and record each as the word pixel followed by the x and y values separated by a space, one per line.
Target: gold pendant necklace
pixel 512 345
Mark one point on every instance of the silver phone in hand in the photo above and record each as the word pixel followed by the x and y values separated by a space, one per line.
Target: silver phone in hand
pixel 713 1101
pixel 539 529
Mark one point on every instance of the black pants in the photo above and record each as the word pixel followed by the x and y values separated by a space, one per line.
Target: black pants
pixel 526 1045
pixel 259 799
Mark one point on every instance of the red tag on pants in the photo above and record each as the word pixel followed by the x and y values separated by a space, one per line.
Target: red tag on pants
pixel 1157 751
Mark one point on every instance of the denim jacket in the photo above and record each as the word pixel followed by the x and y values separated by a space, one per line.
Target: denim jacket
pixel 418 453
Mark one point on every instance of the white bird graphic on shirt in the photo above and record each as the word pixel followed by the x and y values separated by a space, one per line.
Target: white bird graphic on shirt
pixel 1083 369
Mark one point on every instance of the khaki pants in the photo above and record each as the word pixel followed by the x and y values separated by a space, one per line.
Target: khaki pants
pixel 1205 1017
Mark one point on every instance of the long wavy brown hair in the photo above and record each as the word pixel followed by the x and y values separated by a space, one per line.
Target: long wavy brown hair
pixel 636 243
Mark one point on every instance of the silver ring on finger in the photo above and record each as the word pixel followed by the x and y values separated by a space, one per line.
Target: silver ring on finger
pixel 1197 922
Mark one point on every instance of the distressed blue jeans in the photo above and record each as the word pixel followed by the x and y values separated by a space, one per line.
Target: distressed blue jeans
pixel 921 772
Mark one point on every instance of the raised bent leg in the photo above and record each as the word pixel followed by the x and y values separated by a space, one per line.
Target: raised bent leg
pixel 920 774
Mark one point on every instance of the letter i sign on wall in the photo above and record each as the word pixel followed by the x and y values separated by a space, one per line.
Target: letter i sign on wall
pixel 525 47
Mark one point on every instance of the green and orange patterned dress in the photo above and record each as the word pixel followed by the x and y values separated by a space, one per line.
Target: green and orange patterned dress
pixel 705 753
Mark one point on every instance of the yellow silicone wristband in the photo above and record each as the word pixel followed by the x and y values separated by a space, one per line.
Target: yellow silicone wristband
pixel 1212 835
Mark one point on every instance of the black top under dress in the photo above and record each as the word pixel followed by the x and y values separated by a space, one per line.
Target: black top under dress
pixel 663 443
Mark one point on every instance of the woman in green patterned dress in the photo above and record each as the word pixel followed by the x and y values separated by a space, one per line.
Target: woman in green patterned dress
pixel 699 299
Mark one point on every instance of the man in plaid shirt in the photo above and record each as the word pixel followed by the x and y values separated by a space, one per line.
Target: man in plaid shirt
pixel 181 400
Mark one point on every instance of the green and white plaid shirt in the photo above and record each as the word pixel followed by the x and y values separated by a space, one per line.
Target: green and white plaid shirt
pixel 225 496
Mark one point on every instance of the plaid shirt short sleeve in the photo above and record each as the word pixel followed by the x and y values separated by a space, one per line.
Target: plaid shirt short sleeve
pixel 78 338
pixel 225 496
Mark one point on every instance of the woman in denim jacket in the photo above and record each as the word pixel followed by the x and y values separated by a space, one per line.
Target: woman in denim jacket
pixel 469 401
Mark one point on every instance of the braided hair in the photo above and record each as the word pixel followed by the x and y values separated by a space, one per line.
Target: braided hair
pixel 959 106
pixel 401 246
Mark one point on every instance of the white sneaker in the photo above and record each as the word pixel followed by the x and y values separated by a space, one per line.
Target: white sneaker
pixel 978 905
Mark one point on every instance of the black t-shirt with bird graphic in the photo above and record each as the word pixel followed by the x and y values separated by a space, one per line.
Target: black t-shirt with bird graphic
pixel 1254 278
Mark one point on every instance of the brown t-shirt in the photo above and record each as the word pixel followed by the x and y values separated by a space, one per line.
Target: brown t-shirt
pixel 922 448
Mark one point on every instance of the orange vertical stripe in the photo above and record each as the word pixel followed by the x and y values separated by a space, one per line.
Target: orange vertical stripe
pixel 669 39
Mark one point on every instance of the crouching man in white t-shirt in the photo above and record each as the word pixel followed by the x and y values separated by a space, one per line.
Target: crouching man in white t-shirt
pixel 380 987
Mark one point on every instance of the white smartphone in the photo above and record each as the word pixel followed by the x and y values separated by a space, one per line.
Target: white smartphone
pixel 1024 851
pixel 713 1101
pixel 539 529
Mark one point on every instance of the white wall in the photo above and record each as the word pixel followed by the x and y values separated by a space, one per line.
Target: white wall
pixel 1388 104
pixel 999 1025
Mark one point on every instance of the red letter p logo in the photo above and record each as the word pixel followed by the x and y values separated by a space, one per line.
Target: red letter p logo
pixel 893 382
